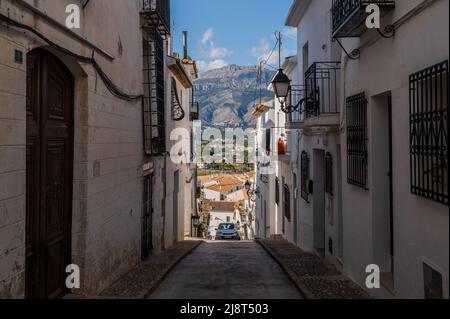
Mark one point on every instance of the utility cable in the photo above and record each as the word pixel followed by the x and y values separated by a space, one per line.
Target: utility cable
pixel 114 89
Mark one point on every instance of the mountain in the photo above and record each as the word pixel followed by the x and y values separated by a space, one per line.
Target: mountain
pixel 227 95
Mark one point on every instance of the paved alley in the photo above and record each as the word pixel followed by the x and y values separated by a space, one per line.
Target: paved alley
pixel 227 270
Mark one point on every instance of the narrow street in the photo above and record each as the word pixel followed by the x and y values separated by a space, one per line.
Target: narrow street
pixel 227 270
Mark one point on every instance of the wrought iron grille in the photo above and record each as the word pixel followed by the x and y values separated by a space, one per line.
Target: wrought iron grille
pixel 156 14
pixel 287 202
pixel 429 132
pixel 329 174
pixel 321 89
pixel 277 191
pixel 178 113
pixel 349 16
pixel 305 176
pixel 154 93
pixel 296 95
pixel 357 170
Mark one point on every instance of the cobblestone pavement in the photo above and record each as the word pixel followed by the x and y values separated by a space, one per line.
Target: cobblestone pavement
pixel 145 278
pixel 227 270
pixel 312 276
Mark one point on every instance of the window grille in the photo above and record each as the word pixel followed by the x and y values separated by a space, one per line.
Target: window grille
pixel 429 133
pixel 357 169
pixel 305 176
pixel 268 141
pixel 287 202
pixel 154 94
pixel 178 113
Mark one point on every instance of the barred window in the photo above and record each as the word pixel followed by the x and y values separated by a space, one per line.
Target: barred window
pixel 287 202
pixel 305 176
pixel 268 141
pixel 154 94
pixel 357 170
pixel 428 131
pixel 277 191
pixel 329 174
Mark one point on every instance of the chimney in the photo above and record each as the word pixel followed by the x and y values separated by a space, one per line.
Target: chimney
pixel 185 45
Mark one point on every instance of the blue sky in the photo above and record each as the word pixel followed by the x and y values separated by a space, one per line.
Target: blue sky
pixel 225 32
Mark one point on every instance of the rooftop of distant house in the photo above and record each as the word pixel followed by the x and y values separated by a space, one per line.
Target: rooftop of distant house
pixel 223 183
pixel 223 206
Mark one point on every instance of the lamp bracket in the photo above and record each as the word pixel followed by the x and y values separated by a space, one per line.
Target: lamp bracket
pixel 354 55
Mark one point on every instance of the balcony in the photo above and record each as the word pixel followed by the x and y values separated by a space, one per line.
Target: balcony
pixel 295 119
pixel 155 15
pixel 321 102
pixel 194 114
pixel 349 16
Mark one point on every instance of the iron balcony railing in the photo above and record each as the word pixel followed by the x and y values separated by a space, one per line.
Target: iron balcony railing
pixel 295 97
pixel 349 16
pixel 322 89
pixel 156 14
pixel 195 111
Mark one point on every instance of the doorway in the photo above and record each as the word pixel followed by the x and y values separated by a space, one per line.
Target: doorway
pixel 319 201
pixel 295 216
pixel 147 217
pixel 383 194
pixel 49 175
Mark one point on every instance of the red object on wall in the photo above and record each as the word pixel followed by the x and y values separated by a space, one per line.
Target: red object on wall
pixel 282 145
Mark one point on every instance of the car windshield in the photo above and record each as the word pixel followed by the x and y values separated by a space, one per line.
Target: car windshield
pixel 226 227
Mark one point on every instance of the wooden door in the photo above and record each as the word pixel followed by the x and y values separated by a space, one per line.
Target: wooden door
pixel 49 175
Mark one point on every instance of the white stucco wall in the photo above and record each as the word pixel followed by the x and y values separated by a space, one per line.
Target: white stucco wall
pixel 421 232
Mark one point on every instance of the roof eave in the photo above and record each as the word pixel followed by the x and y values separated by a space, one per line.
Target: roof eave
pixel 179 71
pixel 296 13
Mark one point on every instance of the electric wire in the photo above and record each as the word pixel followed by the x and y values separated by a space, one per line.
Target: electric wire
pixel 113 88
pixel 261 69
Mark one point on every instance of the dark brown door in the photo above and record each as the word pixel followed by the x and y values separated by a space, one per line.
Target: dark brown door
pixel 49 175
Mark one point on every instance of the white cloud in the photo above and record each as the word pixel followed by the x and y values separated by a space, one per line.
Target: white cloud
pixel 214 52
pixel 290 33
pixel 263 51
pixel 213 56
pixel 207 36
pixel 204 66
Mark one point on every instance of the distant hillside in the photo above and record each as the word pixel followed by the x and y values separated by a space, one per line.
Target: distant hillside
pixel 226 95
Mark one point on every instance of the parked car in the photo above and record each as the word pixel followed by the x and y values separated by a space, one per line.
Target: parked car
pixel 227 231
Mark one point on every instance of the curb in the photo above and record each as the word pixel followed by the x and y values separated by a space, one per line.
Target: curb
pixel 289 273
pixel 168 270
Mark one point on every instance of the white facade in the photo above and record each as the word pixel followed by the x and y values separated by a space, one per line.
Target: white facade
pixel 420 226
pixel 351 226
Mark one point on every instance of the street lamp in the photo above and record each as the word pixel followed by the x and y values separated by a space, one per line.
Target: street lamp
pixel 281 85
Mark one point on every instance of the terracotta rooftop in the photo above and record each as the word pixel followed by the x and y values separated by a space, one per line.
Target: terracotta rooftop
pixel 223 206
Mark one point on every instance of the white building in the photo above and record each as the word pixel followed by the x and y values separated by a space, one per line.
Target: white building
pixel 315 126
pixel 395 176
pixel 373 183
